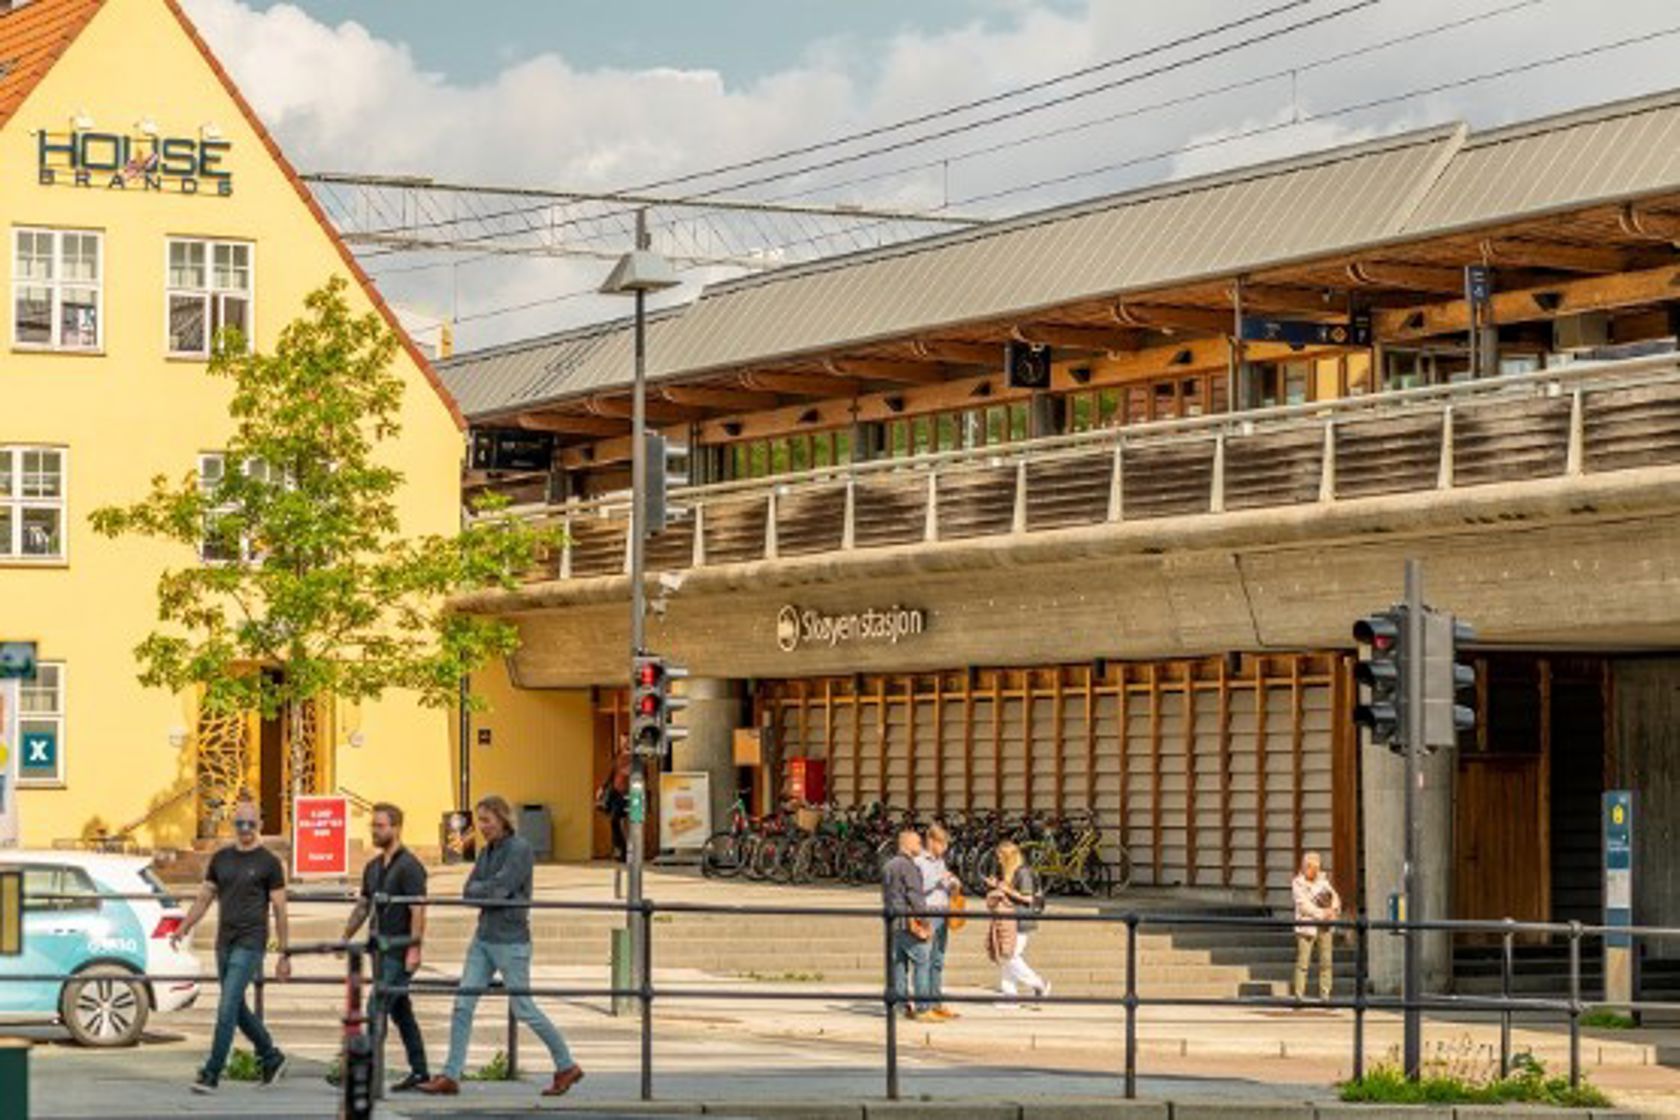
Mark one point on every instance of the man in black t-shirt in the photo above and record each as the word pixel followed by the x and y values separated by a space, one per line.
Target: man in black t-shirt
pixel 245 880
pixel 395 872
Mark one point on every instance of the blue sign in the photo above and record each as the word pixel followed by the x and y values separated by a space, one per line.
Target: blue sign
pixel 1306 332
pixel 1618 865
pixel 17 659
pixel 1478 284
pixel 40 753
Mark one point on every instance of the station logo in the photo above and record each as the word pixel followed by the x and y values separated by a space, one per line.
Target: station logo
pixel 796 626
pixel 148 163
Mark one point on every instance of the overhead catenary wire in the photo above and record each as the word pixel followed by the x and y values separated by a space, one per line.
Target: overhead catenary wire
pixel 944 162
pixel 975 103
pixel 1233 137
pixel 1012 114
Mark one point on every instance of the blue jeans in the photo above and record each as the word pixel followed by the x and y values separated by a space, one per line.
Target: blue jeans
pixel 236 969
pixel 937 945
pixel 512 960
pixel 911 957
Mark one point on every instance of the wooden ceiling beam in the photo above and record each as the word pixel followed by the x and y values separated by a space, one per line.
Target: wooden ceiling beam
pixel 1646 226
pixel 658 412
pixel 1201 320
pixel 962 353
pixel 817 385
pixel 721 398
pixel 570 424
pixel 1294 300
pixel 1568 297
pixel 890 370
pixel 1100 340
pixel 1552 255
pixel 1407 277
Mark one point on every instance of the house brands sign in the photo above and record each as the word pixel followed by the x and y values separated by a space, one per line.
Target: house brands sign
pixel 800 627
pixel 150 163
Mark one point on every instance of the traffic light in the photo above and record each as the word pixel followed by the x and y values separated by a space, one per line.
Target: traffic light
pixel 1444 678
pixel 652 705
pixel 1381 676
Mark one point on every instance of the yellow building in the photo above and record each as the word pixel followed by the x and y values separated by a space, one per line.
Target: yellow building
pixel 144 206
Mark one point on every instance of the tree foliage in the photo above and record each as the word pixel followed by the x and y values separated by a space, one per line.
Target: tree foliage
pixel 300 563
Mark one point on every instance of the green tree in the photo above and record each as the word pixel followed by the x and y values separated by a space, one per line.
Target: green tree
pixel 301 566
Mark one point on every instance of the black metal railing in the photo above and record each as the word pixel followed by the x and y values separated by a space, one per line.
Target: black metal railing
pixel 896 992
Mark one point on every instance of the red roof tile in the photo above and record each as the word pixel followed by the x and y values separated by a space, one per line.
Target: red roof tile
pixel 31 39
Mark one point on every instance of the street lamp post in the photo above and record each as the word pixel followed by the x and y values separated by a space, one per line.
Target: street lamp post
pixel 637 273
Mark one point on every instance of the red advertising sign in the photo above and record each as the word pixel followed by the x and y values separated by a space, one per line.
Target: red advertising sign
pixel 321 838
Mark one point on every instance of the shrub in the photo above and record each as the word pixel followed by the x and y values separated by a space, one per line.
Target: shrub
pixel 1605 1019
pixel 1464 1074
pixel 242 1066
pixel 496 1069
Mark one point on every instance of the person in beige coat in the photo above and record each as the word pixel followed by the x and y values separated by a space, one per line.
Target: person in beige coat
pixel 1316 901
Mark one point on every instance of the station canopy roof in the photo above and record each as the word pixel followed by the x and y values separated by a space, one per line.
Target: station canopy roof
pixel 1414 187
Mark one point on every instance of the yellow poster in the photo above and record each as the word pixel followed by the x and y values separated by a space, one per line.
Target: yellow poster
pixel 685 810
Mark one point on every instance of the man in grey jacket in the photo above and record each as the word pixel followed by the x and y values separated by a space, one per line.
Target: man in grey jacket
pixel 902 893
pixel 502 943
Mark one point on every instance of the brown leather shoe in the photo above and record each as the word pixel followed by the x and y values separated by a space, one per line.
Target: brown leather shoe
pixel 440 1086
pixel 564 1079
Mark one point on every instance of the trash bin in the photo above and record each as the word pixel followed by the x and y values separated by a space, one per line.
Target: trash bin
pixel 455 837
pixel 536 824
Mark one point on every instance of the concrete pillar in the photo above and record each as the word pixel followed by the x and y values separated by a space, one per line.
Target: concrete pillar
pixel 1383 814
pixel 714 712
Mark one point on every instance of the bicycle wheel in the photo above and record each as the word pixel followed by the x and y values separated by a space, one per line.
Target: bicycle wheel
pixel 751 845
pixel 800 860
pixel 1096 878
pixel 721 856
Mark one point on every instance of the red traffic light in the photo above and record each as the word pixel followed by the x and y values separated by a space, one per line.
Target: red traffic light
pixel 647 674
pixel 647 705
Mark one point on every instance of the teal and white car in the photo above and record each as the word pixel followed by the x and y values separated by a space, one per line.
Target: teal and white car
pixel 108 945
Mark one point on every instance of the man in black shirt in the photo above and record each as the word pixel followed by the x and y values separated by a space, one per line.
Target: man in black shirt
pixel 394 871
pixel 245 880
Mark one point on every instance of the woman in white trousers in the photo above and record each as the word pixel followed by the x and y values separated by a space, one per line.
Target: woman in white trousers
pixel 1017 885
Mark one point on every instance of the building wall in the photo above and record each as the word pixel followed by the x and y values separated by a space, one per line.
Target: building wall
pixel 1216 775
pixel 1647 734
pixel 541 750
pixel 133 414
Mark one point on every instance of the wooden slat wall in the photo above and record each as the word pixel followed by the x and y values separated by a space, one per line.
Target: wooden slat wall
pixel 1216 772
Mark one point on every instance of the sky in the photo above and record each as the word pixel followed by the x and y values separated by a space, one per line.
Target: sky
pixel 592 95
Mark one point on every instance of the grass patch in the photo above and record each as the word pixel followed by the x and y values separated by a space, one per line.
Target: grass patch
pixel 1463 1074
pixel 242 1066
pixel 1607 1020
pixel 496 1069
pixel 785 977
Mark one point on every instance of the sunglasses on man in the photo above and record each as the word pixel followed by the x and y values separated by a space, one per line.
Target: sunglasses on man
pixel 245 826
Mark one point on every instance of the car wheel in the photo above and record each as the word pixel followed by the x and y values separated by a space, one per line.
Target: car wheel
pixel 104 1006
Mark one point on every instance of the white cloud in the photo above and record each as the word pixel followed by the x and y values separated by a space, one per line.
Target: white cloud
pixel 339 98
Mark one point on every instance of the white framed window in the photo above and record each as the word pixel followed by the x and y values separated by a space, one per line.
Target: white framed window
pixel 33 484
pixel 57 289
pixel 212 467
pixel 41 726
pixel 209 290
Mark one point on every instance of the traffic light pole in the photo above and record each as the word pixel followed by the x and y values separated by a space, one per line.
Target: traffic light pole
pixel 633 854
pixel 1411 986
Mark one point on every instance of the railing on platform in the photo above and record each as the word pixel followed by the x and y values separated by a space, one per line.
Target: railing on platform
pixel 895 992
pixel 1580 419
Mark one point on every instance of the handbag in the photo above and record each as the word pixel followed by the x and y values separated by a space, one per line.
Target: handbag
pixel 959 901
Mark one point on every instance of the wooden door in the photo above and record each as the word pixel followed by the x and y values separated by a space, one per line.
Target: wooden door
pixel 1502 869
